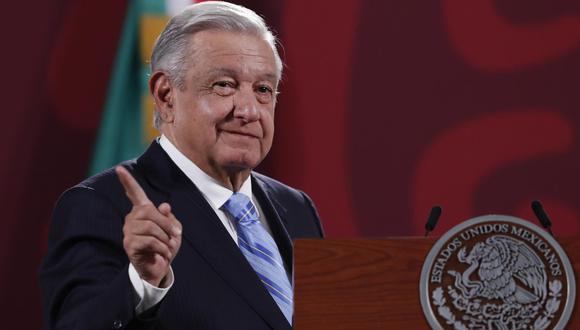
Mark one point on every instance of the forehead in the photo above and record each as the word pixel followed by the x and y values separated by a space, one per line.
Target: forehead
pixel 222 51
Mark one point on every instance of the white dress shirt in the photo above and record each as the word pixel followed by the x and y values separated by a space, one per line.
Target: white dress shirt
pixel 216 195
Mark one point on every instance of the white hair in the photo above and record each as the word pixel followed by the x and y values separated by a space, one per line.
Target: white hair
pixel 172 48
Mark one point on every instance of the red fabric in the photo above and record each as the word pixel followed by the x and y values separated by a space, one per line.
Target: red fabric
pixel 387 108
pixel 392 107
pixel 312 117
pixel 61 55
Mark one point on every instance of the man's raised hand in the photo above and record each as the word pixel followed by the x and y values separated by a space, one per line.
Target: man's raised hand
pixel 151 235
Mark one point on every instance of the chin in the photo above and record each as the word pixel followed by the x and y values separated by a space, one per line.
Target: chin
pixel 242 162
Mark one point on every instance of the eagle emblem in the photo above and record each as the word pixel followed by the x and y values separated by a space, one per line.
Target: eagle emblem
pixel 505 273
pixel 507 269
pixel 497 273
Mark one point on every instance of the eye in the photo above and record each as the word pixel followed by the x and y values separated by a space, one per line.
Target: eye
pixel 224 87
pixel 265 93
pixel 264 89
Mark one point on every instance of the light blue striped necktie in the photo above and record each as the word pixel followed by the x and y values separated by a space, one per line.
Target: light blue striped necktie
pixel 261 251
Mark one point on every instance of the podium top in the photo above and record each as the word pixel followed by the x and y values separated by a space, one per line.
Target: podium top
pixel 370 283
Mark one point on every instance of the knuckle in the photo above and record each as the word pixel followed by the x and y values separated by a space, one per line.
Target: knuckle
pixel 129 246
pixel 177 223
pixel 129 228
pixel 148 208
pixel 155 229
pixel 155 245
pixel 149 243
pixel 130 216
pixel 148 227
pixel 140 212
pixel 134 214
pixel 144 212
pixel 163 225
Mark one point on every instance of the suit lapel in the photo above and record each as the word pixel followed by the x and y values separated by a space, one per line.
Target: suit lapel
pixel 203 230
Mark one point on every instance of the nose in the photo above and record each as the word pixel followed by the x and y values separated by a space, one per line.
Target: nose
pixel 246 105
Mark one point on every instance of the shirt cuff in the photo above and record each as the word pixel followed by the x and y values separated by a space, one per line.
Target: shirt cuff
pixel 147 295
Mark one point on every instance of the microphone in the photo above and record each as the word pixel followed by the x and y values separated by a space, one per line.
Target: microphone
pixel 542 216
pixel 432 220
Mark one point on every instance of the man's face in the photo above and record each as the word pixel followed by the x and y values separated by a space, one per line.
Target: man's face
pixel 223 117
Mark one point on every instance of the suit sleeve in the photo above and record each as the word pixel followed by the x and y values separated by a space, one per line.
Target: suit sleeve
pixel 84 277
pixel 314 213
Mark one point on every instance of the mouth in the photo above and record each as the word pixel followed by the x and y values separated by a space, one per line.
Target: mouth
pixel 241 134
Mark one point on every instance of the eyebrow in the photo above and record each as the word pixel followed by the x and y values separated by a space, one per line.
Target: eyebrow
pixel 222 72
pixel 229 72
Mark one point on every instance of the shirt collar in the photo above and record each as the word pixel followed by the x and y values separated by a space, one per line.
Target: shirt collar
pixel 212 190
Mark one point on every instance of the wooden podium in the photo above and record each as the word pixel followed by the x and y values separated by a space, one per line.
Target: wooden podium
pixel 372 283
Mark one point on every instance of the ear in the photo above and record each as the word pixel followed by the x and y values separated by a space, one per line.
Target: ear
pixel 162 90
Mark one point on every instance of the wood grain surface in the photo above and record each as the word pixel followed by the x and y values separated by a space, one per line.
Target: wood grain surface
pixel 371 283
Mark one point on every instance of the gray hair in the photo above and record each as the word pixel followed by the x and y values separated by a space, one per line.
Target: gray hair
pixel 170 52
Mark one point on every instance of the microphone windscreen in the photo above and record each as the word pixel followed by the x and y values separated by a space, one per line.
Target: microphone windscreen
pixel 433 218
pixel 541 214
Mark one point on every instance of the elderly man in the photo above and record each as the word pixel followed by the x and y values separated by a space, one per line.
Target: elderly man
pixel 187 236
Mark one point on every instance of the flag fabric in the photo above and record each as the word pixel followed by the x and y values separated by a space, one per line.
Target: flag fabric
pixel 127 120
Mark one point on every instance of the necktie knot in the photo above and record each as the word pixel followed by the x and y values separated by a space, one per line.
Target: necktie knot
pixel 241 209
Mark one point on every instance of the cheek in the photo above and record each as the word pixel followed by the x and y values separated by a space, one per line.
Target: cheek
pixel 214 107
pixel 268 129
pixel 200 117
pixel 268 122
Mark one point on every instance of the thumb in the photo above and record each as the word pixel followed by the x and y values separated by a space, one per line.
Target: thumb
pixel 165 209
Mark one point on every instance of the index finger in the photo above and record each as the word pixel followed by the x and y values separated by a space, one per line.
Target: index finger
pixel 132 188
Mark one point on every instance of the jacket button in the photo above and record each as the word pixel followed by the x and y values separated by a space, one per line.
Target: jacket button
pixel 117 324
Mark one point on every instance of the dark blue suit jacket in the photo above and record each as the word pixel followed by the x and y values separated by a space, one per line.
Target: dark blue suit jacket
pixel 84 277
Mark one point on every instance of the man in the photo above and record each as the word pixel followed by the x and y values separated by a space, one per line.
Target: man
pixel 187 236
